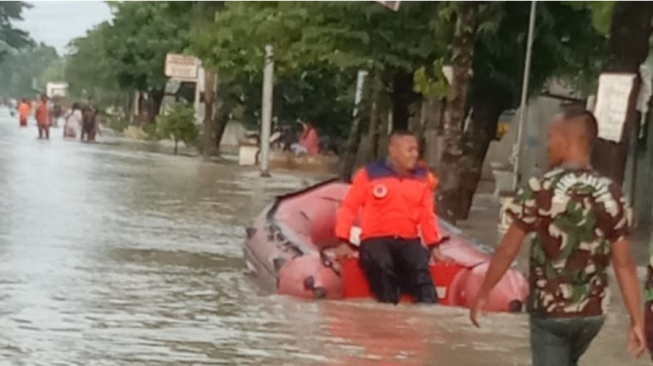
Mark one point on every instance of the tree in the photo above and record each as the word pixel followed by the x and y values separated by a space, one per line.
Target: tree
pixel 137 42
pixel 178 124
pixel 318 43
pixel 461 62
pixel 20 71
pixel 564 30
pixel 628 47
pixel 88 69
pixel 12 39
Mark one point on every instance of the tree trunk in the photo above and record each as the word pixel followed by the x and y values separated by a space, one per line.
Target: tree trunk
pixel 208 147
pixel 176 145
pixel 374 127
pixel 627 48
pixel 433 117
pixel 221 121
pixel 478 136
pixel 463 50
pixel 156 97
pixel 402 96
pixel 141 111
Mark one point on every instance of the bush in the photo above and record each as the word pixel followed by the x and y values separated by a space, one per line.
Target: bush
pixel 151 132
pixel 134 133
pixel 179 125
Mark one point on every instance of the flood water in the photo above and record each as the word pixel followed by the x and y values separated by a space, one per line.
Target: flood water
pixel 117 254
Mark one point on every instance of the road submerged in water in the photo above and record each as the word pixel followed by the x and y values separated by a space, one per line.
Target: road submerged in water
pixel 115 253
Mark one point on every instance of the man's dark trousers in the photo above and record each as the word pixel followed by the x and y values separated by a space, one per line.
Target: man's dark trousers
pixel 393 264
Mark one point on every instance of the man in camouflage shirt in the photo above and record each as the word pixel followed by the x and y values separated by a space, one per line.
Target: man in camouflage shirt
pixel 579 221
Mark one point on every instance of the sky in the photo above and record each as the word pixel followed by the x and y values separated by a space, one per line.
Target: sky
pixel 56 23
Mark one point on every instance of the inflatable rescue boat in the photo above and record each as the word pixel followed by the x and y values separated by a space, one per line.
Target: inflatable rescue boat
pixel 287 251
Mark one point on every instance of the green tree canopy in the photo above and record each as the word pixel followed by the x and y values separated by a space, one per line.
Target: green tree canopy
pixel 11 38
pixel 20 72
pixel 88 69
pixel 137 41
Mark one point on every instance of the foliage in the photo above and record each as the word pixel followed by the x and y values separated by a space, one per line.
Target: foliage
pixel 12 39
pixel 565 46
pixel 431 81
pixel 137 42
pixel 126 55
pixel 346 35
pixel 20 72
pixel 55 71
pixel 179 125
pixel 116 121
pixel 135 133
pixel 318 48
pixel 601 13
pixel 88 69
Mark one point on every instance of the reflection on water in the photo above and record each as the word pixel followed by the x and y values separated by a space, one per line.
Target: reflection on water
pixel 115 254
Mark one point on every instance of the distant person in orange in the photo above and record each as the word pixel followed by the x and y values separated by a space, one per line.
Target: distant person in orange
pixel 43 118
pixel 24 111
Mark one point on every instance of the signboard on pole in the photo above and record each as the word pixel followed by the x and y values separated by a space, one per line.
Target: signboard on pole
pixel 612 104
pixel 392 5
pixel 182 67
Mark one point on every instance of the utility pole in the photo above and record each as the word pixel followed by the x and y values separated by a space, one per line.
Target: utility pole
pixel 266 113
pixel 517 149
pixel 209 128
pixel 199 87
pixel 349 158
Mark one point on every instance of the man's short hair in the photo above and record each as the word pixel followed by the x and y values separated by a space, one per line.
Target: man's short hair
pixel 401 133
pixel 580 114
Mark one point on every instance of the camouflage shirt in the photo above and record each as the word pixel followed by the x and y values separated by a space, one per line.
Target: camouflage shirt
pixel 573 216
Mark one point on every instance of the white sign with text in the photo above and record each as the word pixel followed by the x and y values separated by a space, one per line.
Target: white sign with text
pixel 612 104
pixel 182 67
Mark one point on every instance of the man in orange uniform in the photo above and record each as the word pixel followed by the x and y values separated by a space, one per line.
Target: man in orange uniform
pixel 396 204
pixel 42 118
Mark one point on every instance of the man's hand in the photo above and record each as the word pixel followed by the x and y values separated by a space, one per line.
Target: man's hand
pixel 344 250
pixel 476 308
pixel 636 340
pixel 437 255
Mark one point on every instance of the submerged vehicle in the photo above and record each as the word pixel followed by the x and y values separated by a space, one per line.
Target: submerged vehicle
pixel 288 251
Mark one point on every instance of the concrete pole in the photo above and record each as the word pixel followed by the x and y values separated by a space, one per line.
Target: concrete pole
pixel 517 149
pixel 266 113
pixel 358 97
pixel 349 158
pixel 199 88
pixel 209 128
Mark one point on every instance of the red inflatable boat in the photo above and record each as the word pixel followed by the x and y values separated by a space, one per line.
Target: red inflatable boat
pixel 287 252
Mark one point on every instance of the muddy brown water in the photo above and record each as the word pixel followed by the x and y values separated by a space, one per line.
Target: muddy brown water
pixel 118 254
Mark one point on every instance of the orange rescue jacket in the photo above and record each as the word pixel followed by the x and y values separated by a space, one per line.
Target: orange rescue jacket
pixel 389 205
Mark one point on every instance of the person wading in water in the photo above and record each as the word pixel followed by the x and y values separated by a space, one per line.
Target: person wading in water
pixel 43 118
pixel 73 122
pixel 24 111
pixel 579 221
pixel 89 122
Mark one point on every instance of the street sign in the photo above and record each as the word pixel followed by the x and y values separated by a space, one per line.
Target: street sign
pixel 392 5
pixel 182 67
